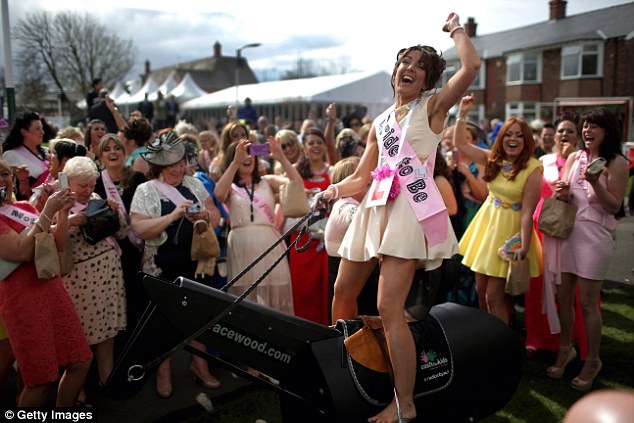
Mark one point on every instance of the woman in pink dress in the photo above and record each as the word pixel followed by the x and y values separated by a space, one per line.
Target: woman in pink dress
pixel 583 258
pixel 43 328
pixel 541 320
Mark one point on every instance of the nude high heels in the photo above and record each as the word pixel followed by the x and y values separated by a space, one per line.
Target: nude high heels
pixel 557 372
pixel 579 384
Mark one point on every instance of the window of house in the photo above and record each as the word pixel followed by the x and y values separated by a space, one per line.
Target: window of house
pixel 526 110
pixel 450 70
pixel 581 60
pixel 523 67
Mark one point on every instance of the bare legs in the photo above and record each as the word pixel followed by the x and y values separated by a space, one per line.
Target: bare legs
pixel 71 383
pixel 394 284
pixel 104 356
pixel 491 296
pixel 351 278
pixel 589 299
pixel 67 392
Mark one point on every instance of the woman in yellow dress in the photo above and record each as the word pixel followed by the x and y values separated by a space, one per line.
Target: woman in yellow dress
pixel 514 179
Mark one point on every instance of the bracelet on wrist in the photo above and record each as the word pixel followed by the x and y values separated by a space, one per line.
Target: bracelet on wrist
pixel 461 119
pixel 454 30
pixel 336 189
pixel 50 222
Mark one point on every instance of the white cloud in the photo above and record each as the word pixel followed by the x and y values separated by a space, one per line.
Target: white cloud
pixel 367 34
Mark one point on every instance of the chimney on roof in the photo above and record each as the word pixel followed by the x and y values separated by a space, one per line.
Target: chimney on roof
pixel 217 49
pixel 557 9
pixel 470 27
pixel 148 69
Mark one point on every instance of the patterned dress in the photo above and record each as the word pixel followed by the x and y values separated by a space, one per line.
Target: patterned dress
pixel 96 286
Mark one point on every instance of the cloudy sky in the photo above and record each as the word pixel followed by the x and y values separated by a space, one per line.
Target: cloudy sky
pixel 361 35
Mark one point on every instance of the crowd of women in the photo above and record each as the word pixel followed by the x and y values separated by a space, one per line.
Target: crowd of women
pixel 487 198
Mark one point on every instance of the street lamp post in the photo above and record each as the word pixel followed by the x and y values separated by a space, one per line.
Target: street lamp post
pixel 238 55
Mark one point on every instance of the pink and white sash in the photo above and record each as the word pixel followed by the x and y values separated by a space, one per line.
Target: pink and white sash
pixel 23 217
pixel 113 193
pixel 416 179
pixel 78 208
pixel 34 164
pixel 258 203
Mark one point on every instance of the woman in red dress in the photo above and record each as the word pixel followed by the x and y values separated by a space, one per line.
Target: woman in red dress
pixel 309 269
pixel 44 331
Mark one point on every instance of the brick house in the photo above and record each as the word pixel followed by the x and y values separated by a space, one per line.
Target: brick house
pixel 527 71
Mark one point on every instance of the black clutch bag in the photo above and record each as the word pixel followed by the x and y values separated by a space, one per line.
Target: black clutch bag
pixel 102 221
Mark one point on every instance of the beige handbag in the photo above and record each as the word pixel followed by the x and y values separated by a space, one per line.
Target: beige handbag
pixel 557 218
pixel 46 257
pixel 293 199
pixel 519 277
pixel 205 248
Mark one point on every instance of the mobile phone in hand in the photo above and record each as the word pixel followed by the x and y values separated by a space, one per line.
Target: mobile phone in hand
pixel 259 149
pixel 62 177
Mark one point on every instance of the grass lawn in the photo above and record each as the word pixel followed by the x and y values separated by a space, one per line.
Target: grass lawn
pixel 537 399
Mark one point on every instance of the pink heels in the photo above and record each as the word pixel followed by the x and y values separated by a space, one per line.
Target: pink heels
pixel 579 384
pixel 557 372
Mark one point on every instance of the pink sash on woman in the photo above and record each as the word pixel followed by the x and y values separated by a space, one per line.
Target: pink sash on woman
pixel 169 191
pixel 23 217
pixel 416 179
pixel 113 193
pixel 258 202
pixel 33 163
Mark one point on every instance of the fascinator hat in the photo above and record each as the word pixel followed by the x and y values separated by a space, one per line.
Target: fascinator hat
pixel 166 150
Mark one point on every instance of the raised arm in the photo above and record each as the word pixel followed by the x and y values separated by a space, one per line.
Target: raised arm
pixel 275 181
pixel 472 152
pixel 223 186
pixel 460 82
pixel 329 133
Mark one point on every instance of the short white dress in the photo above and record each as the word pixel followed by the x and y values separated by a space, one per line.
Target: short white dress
pixel 392 229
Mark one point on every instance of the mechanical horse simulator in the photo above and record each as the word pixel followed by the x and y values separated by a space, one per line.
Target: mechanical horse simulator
pixel 469 363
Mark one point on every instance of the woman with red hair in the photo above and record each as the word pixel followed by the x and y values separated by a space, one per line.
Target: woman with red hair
pixel 503 227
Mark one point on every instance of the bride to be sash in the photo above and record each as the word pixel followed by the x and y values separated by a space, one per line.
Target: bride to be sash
pixel 416 179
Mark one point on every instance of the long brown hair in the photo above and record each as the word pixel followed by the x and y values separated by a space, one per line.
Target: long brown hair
pixel 498 155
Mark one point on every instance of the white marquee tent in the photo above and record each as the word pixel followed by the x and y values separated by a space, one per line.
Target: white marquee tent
pixel 293 99
pixel 166 87
pixel 149 87
pixel 187 90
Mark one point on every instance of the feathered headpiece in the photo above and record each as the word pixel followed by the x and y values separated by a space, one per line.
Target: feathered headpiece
pixel 166 150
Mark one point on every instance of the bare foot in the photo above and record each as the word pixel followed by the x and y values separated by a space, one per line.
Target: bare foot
pixel 390 415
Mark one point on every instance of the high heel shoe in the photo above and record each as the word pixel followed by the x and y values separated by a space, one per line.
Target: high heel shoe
pixel 579 384
pixel 207 380
pixel 557 372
